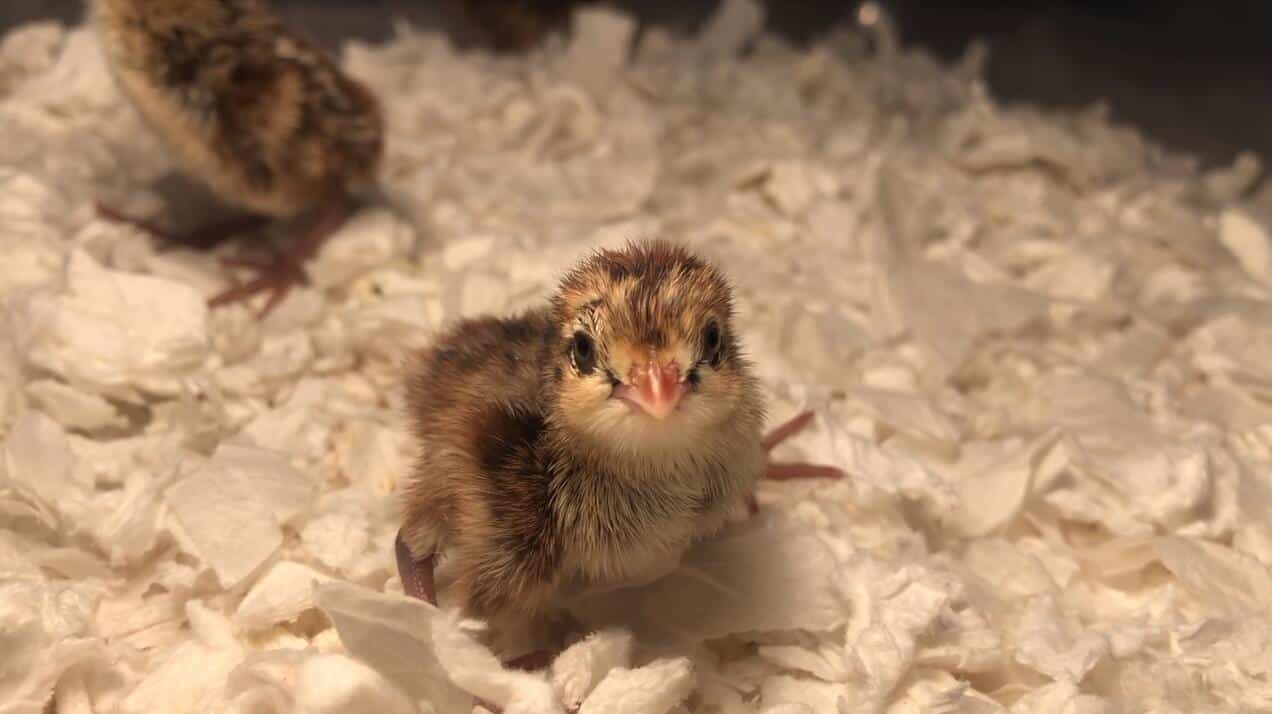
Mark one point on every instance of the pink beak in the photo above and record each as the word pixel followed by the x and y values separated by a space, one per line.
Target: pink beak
pixel 655 389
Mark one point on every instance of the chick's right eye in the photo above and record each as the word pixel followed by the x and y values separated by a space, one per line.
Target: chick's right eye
pixel 584 352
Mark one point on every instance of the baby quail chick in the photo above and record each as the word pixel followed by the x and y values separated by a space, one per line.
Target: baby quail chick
pixel 518 25
pixel 588 443
pixel 267 121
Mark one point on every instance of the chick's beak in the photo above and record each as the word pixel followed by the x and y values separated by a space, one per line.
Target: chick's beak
pixel 656 389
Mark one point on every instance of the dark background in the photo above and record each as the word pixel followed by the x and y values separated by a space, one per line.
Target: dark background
pixel 1194 75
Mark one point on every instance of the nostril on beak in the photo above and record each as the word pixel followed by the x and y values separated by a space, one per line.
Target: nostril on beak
pixel 656 388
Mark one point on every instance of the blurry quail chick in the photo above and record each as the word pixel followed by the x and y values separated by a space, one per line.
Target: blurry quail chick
pixel 517 25
pixel 586 444
pixel 262 117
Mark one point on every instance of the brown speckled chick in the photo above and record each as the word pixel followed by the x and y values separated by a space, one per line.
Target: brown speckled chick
pixel 586 444
pixel 518 25
pixel 263 118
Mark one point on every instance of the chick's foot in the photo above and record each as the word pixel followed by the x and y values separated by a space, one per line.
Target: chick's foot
pixel 279 273
pixel 786 471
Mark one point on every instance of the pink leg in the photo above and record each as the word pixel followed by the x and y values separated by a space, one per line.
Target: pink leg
pixel 786 430
pixel 788 471
pixel 201 238
pixel 416 573
pixel 277 275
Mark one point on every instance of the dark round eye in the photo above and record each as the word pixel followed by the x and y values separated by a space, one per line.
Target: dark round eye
pixel 711 342
pixel 583 351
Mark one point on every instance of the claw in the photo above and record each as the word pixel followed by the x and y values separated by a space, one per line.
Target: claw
pixel 276 276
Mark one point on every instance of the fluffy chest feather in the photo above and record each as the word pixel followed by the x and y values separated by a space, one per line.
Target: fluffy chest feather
pixel 630 520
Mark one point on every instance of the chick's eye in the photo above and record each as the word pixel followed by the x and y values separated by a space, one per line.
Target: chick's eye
pixel 711 343
pixel 583 351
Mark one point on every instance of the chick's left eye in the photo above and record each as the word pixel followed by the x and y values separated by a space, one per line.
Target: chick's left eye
pixel 584 352
pixel 711 342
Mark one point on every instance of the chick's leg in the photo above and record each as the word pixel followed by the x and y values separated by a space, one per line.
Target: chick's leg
pixel 417 582
pixel 202 238
pixel 416 573
pixel 788 471
pixel 785 471
pixel 277 274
